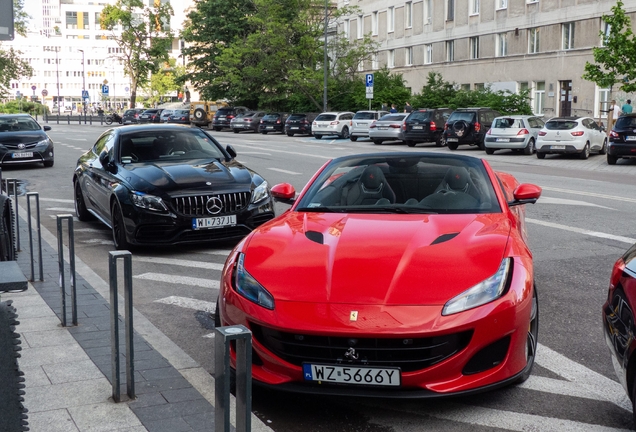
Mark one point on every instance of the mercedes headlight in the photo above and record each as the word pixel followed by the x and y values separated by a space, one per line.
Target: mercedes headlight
pixel 482 293
pixel 148 202
pixel 260 192
pixel 249 287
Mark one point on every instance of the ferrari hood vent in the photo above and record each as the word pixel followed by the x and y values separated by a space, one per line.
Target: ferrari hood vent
pixel 315 236
pixel 444 238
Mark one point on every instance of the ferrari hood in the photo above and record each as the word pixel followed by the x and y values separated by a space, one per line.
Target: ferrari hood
pixel 376 259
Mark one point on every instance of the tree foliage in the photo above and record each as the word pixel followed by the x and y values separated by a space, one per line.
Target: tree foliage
pixel 614 61
pixel 12 66
pixel 144 40
pixel 164 81
pixel 20 18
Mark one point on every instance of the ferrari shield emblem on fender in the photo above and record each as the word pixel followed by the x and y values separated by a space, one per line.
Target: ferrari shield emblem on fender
pixel 353 316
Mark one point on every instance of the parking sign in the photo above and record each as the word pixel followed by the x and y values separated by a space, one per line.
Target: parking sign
pixel 369 80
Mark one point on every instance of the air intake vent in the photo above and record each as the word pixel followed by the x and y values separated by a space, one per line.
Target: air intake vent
pixel 444 238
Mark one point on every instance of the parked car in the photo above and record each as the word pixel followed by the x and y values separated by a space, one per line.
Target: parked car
pixel 622 139
pixel 468 126
pixel 23 140
pixel 165 115
pixel 618 322
pixel 224 115
pixel 168 184
pixel 152 115
pixel 332 123
pixel 364 232
pixel 131 116
pixel 387 128
pixel 299 124
pixel 273 122
pixel 361 122
pixel 568 135
pixel 248 121
pixel 518 132
pixel 425 125
pixel 181 116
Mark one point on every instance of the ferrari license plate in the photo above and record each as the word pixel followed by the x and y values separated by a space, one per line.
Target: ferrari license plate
pixel 213 222
pixel 360 375
pixel 557 147
pixel 22 155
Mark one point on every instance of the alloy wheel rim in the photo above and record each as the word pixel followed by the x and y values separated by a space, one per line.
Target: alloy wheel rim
pixel 531 344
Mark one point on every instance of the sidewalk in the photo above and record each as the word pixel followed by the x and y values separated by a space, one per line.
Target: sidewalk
pixel 67 370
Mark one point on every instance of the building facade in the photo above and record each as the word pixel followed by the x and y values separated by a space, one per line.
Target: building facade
pixel 540 45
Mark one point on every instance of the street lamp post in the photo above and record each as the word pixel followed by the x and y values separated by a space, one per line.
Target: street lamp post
pixel 57 75
pixel 83 82
pixel 324 96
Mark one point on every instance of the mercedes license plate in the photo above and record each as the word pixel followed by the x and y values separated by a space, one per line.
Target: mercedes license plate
pixel 213 222
pixel 22 155
pixel 557 147
pixel 360 375
pixel 503 140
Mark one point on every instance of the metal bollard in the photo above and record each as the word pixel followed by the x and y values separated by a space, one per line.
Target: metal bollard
pixel 114 324
pixel 60 257
pixel 37 207
pixel 222 338
pixel 16 209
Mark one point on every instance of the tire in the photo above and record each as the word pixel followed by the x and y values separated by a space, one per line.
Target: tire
pixel 529 148
pixel 7 242
pixel 14 417
pixel 611 160
pixel 410 143
pixel 603 149
pixel 490 150
pixel 344 134
pixel 199 114
pixel 109 120
pixel 586 151
pixel 235 131
pixel 48 164
pixel 377 142
pixel 481 145
pixel 353 138
pixel 532 337
pixel 264 133
pixel 440 141
pixel 540 155
pixel 452 146
pixel 80 205
pixel 218 129
pixel 217 315
pixel 119 229
pixel 289 134
pixel 318 136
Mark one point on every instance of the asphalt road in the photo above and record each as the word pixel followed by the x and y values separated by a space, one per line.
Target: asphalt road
pixel 581 225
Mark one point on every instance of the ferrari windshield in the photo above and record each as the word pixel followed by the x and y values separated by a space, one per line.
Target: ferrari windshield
pixel 395 183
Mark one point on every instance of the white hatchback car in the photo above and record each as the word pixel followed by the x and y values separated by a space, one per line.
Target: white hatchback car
pixel 332 123
pixel 361 122
pixel 517 132
pixel 567 135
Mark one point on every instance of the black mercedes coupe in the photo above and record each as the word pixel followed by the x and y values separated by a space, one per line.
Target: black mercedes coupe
pixel 168 184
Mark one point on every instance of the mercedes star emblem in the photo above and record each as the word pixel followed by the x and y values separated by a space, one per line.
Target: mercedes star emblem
pixel 214 205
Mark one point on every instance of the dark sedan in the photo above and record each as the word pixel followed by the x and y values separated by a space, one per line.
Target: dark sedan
pixel 23 140
pixel 152 115
pixel 180 117
pixel 131 116
pixel 168 184
pixel 273 122
pixel 622 139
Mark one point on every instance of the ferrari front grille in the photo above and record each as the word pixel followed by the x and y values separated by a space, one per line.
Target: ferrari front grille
pixel 409 354
pixel 197 205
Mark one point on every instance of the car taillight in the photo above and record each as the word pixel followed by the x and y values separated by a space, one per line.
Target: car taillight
pixel 489 132
pixel 542 133
pixel 278 121
pixel 617 272
pixel 403 126
pixel 304 122
pixel 314 123
pixel 432 127
pixel 248 119
pixel 372 125
pixel 577 133
pixel 445 126
pixel 477 127
pixel 394 126
pixel 334 122
pixel 261 121
pixel 522 132
pixel 614 134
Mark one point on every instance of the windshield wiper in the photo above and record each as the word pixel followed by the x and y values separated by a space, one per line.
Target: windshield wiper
pixel 400 209
pixel 323 209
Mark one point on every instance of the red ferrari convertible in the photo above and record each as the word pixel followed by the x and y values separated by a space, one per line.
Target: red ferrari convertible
pixel 392 274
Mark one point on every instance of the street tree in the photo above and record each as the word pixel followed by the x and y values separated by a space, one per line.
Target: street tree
pixel 164 81
pixel 614 61
pixel 12 66
pixel 144 39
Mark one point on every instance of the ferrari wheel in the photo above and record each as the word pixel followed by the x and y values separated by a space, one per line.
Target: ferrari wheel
pixel 531 341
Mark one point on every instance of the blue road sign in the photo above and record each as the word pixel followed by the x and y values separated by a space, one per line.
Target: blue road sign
pixel 85 94
pixel 105 89
pixel 369 80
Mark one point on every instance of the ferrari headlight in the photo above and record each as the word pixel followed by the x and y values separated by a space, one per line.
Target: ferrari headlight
pixel 482 293
pixel 148 202
pixel 249 287
pixel 260 192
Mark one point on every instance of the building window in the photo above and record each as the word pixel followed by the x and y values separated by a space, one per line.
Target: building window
pixel 568 36
pixel 474 7
pixel 539 97
pixel 428 11
pixel 359 26
pixel 479 86
pixel 474 47
pixel 71 20
pixel 450 10
pixel 85 24
pixel 345 28
pixel 450 51
pixel 408 14
pixel 374 61
pixel 465 87
pixel 502 4
pixel 523 86
pixel 603 103
pixel 374 23
pixel 98 21
pixel 533 40
pixel 428 54
pixel 502 44
pixel 409 56
pixel 390 19
pixel 606 32
pixel 391 60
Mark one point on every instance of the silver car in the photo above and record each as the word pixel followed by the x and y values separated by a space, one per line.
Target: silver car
pixel 165 115
pixel 361 122
pixel 332 123
pixel 518 132
pixel 388 128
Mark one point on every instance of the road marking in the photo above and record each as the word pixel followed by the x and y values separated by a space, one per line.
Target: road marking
pixel 179 262
pixel 582 231
pixel 291 152
pixel 69 201
pixel 60 209
pixel 255 153
pixel 75 219
pixel 592 194
pixel 209 336
pixel 183 280
pixel 97 241
pixel 563 201
pixel 216 252
pixel 284 171
pixel 189 303
pixel 78 139
pixel 93 230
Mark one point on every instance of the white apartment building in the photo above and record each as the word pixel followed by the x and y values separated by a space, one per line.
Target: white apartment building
pixel 69 52
pixel 541 45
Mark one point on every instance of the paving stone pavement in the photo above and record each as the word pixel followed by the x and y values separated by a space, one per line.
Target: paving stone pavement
pixel 68 369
